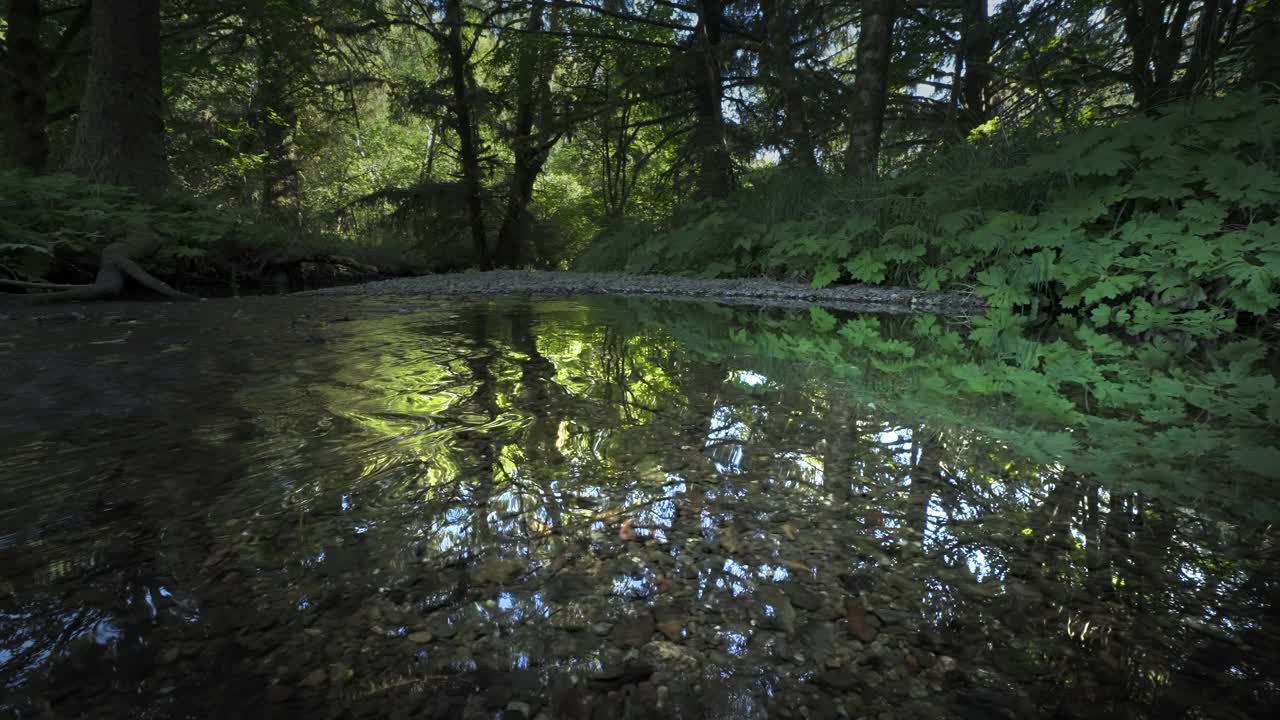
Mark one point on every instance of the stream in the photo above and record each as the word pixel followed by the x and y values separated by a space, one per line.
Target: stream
pixel 391 507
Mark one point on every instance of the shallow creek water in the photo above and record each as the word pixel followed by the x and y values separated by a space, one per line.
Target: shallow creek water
pixel 335 507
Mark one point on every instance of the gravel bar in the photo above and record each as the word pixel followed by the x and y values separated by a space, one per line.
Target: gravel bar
pixel 755 291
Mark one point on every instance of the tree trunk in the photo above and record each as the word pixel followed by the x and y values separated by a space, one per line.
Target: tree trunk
pixel 468 145
pixel 1155 47
pixel 120 134
pixel 529 150
pixel 870 88
pixel 26 138
pixel 976 44
pixel 778 54
pixel 281 195
pixel 714 164
pixel 1264 46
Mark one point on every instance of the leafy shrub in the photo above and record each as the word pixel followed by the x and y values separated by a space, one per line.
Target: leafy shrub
pixel 51 217
pixel 1166 221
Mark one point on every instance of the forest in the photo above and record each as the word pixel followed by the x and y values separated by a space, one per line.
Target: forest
pixel 759 359
pixel 1111 156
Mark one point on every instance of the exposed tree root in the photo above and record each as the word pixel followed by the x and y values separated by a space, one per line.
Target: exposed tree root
pixel 116 266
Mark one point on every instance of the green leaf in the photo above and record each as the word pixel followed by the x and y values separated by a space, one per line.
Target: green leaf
pixel 1263 461
pixel 826 274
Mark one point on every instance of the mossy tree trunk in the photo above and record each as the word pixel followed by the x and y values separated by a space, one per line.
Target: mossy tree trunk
pixel 870 88
pixel 120 133
pixel 119 141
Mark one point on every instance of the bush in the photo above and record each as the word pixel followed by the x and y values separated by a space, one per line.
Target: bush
pixel 50 218
pixel 1166 221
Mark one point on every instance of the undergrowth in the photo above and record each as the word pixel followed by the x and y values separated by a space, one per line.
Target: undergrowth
pixel 1165 222
pixel 52 220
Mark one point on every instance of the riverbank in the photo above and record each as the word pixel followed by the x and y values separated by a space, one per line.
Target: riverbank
pixel 757 291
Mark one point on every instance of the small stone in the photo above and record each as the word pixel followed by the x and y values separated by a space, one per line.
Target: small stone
pixel 838 680
pixel 570 616
pixel 775 610
pixel 279 693
pixel 802 597
pixel 672 630
pixel 856 612
pixel 497 571
pixel 170 655
pixel 890 616
pixel 728 540
pixel 421 637
pixel 339 674
pixel 516 710
pixel 315 678
pixel 634 631
pixel 799 568
pixel 669 657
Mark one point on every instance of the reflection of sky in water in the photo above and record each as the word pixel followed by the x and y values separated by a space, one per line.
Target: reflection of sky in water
pixel 725 426
pixel 735 574
pixel 628 586
pixel 774 573
pixel 733 642
pixel 898 439
pixel 615 470
pixel 977 564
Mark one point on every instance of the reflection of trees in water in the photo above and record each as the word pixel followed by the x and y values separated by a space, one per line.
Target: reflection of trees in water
pixel 105 541
pixel 537 437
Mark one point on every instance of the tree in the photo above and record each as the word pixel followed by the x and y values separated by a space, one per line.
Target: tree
pixel 777 49
pixel 710 147
pixel 120 134
pixel 529 147
pixel 976 44
pixel 120 140
pixel 1264 45
pixel 25 135
pixel 461 81
pixel 870 88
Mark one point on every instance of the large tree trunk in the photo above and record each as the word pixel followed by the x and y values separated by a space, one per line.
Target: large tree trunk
pixel 870 88
pixel 529 149
pixel 119 141
pixel 120 135
pixel 778 54
pixel 468 145
pixel 714 163
pixel 27 142
pixel 277 126
pixel 1264 46
pixel 976 43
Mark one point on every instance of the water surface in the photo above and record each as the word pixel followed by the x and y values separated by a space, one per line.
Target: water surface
pixel 572 509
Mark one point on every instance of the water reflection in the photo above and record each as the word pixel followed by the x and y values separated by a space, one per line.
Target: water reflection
pixel 518 510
